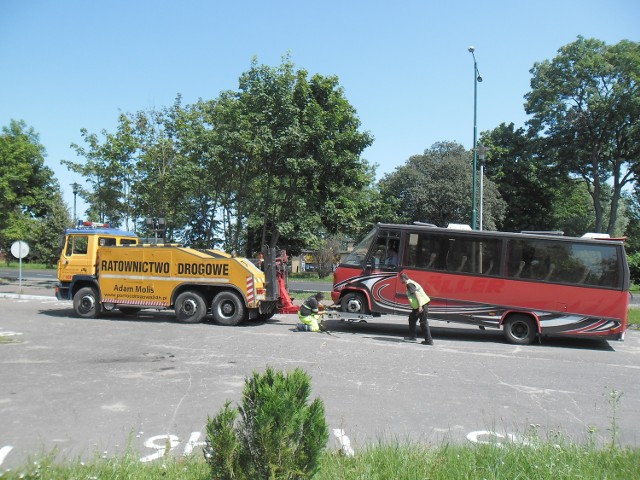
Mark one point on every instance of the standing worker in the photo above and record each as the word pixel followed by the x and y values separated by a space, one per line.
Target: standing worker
pixel 419 301
pixel 310 313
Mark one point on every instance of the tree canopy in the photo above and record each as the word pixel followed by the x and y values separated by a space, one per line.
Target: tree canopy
pixel 523 176
pixel 586 105
pixel 31 199
pixel 436 187
pixel 278 159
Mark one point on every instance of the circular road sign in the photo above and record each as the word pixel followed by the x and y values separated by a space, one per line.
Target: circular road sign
pixel 20 249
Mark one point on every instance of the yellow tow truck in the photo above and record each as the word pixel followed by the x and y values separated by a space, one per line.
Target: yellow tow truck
pixel 102 269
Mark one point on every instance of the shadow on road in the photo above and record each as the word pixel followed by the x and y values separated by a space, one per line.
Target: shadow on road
pixel 144 316
pixel 377 330
pixel 392 332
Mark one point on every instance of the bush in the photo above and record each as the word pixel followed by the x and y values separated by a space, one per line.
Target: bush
pixel 634 267
pixel 279 434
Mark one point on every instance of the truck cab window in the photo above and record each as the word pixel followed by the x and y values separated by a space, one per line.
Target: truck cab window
pixel 106 242
pixel 77 245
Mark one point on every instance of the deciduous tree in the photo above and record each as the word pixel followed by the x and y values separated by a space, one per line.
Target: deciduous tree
pixel 586 104
pixel 435 187
pixel 524 176
pixel 28 189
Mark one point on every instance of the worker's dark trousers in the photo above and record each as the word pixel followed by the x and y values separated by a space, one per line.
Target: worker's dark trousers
pixel 424 323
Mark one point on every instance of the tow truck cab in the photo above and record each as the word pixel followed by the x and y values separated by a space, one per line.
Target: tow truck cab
pixel 79 251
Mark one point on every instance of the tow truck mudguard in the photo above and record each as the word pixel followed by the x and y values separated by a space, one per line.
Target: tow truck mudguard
pixel 267 307
pixel 65 290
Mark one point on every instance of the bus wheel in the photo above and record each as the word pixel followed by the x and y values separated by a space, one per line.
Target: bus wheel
pixel 228 309
pixel 353 303
pixel 85 303
pixel 520 330
pixel 190 307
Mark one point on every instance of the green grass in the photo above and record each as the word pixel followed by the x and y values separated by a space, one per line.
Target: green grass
pixel 310 276
pixel 537 460
pixel 27 266
pixel 633 318
pixel 4 339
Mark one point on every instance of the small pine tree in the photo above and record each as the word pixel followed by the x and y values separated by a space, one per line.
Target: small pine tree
pixel 222 446
pixel 280 434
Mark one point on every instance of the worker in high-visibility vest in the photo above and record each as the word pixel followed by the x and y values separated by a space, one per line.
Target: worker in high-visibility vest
pixel 310 313
pixel 419 301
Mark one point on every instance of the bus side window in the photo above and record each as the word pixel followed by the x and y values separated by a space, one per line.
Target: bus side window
pixel 460 255
pixel 386 252
pixel 417 250
pixel 515 263
pixel 490 253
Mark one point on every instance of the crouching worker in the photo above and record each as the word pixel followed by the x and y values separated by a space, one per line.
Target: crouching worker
pixel 310 314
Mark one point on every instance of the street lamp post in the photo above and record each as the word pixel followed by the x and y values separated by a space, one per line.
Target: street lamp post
pixel 476 78
pixel 481 150
pixel 76 188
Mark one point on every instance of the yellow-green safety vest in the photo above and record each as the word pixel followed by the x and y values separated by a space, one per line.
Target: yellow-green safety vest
pixel 420 297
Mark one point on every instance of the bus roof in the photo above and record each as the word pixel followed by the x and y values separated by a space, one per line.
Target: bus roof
pixel 496 234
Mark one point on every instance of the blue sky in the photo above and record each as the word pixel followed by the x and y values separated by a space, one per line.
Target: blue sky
pixel 404 65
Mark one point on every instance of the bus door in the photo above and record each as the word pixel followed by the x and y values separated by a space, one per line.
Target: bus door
pixel 424 256
pixel 384 262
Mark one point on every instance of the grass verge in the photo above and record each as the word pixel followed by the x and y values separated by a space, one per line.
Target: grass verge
pixel 552 460
pixel 633 318
pixel 27 266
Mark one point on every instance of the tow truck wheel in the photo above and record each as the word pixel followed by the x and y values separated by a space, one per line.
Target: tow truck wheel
pixel 353 303
pixel 520 330
pixel 190 307
pixel 228 309
pixel 85 303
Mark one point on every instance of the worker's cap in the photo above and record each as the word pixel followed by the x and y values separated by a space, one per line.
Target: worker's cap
pixel 319 296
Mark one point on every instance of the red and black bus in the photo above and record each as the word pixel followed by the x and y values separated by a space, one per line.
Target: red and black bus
pixel 529 284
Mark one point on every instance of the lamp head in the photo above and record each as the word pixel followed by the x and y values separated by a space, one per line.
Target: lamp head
pixel 479 78
pixel 472 49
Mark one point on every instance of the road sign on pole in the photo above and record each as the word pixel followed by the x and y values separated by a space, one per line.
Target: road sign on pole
pixel 20 250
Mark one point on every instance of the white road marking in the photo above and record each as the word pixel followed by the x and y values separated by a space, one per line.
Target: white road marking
pixel 170 441
pixel 4 451
pixel 344 442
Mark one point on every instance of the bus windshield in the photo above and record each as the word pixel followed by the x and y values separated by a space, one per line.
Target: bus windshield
pixel 359 253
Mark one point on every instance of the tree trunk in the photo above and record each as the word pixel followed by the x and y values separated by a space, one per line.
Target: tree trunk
pixel 595 195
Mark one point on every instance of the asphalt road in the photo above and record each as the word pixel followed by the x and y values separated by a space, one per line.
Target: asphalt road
pixel 101 386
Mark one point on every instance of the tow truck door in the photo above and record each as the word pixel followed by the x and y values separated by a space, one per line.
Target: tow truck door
pixel 76 258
